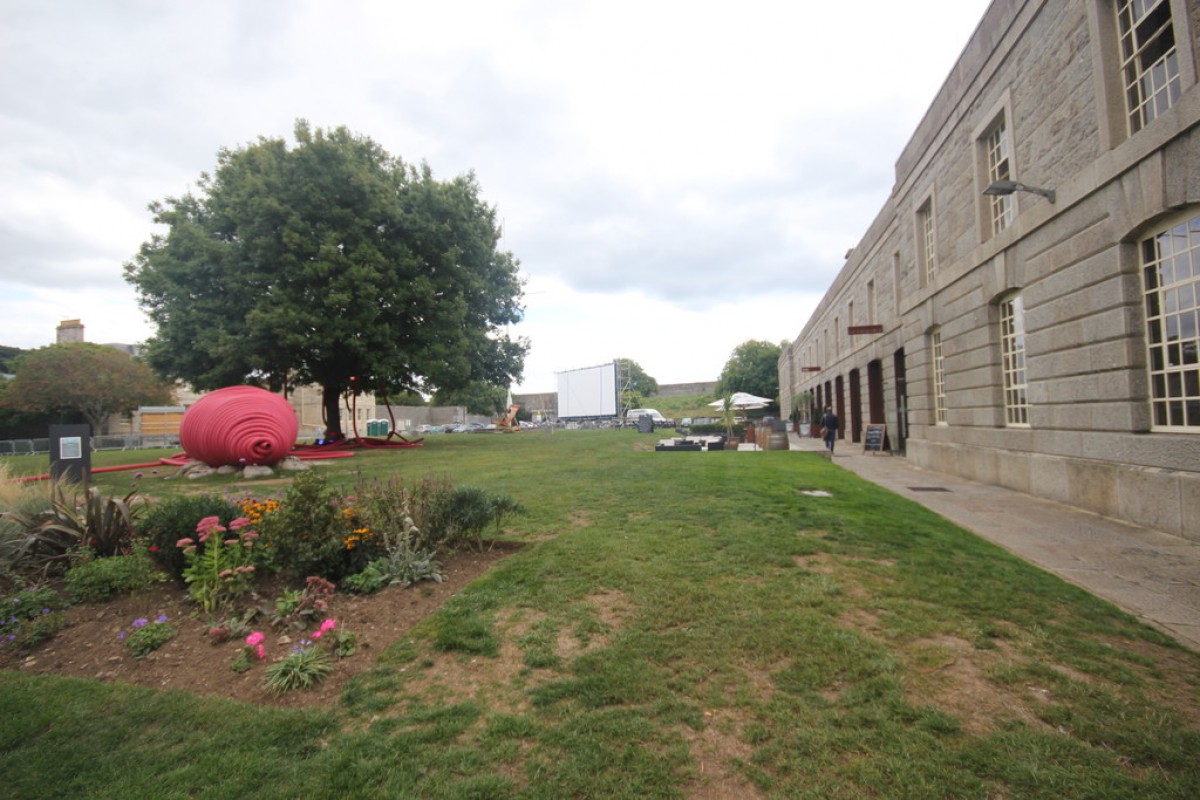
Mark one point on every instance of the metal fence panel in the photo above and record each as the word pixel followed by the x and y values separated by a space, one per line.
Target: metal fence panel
pixel 20 447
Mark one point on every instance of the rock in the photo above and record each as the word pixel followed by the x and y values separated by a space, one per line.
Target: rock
pixel 293 464
pixel 227 469
pixel 195 466
pixel 196 469
pixel 253 471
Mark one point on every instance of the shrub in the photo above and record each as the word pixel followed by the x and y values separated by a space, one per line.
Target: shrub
pixel 304 535
pixel 303 668
pixel 30 617
pixel 464 513
pixel 429 505
pixel 175 518
pixel 408 556
pixel 48 539
pixel 144 637
pixel 23 497
pixel 219 570
pixel 300 608
pixel 97 579
pixel 398 569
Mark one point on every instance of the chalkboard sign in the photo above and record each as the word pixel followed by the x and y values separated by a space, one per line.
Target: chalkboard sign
pixel 874 441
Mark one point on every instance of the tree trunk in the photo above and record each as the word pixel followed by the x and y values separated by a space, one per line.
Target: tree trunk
pixel 331 399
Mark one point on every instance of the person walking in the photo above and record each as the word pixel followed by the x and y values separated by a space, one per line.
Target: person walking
pixel 829 423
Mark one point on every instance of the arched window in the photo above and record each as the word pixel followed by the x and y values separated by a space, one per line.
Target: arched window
pixel 1170 262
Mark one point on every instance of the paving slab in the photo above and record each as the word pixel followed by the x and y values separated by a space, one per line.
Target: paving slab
pixel 1151 574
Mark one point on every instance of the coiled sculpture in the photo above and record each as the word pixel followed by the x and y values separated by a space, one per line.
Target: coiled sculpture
pixel 239 426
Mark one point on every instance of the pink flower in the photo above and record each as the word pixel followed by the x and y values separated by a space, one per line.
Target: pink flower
pixel 239 523
pixel 226 573
pixel 261 652
pixel 255 638
pixel 209 524
pixel 316 635
pixel 328 625
pixel 250 535
pixel 185 542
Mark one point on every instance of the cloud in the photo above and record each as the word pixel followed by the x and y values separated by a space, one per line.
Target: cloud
pixel 654 164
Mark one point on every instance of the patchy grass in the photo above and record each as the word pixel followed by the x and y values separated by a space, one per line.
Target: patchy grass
pixel 680 625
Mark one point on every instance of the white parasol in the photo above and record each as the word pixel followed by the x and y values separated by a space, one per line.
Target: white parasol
pixel 743 401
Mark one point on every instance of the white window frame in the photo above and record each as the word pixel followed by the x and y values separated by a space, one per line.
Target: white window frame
pixel 1170 267
pixel 998 154
pixel 1012 360
pixel 939 376
pixel 1150 73
pixel 927 241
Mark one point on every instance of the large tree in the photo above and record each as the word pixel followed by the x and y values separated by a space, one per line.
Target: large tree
pixel 753 367
pixel 89 379
pixel 8 357
pixel 329 262
pixel 478 398
pixel 636 385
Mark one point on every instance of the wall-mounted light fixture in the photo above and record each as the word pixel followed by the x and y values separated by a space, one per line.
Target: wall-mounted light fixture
pixel 1008 187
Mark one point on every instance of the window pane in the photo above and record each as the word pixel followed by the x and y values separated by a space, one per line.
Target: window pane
pixel 1171 293
pixel 1150 66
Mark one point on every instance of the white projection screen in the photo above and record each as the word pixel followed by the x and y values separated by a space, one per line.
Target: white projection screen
pixel 588 392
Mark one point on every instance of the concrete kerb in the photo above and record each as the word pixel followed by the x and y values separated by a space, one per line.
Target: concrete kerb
pixel 1150 574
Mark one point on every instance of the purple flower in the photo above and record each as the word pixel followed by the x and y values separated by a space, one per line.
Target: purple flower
pixel 141 622
pixel 121 635
pixel 45 611
pixel 161 618
pixel 138 475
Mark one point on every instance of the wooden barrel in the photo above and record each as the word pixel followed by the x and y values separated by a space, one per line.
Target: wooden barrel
pixel 777 440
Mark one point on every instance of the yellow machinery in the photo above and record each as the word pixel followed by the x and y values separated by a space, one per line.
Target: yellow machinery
pixel 508 422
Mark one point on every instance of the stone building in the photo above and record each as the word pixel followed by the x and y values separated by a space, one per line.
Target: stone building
pixel 1024 309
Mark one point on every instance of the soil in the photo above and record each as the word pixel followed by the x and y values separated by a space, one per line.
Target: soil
pixel 89 647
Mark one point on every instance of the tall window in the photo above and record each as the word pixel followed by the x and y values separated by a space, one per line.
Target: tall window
pixel 1149 62
pixel 925 241
pixel 1012 351
pixel 897 281
pixel 939 377
pixel 1171 280
pixel 998 169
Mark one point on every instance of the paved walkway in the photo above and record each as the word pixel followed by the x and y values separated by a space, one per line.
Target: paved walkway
pixel 1153 575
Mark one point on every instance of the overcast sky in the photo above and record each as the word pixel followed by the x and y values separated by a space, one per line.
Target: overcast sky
pixel 675 177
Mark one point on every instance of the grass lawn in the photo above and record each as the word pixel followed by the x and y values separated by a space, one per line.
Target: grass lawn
pixel 678 625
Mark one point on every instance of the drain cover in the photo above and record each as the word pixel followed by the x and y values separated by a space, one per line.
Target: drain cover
pixel 928 489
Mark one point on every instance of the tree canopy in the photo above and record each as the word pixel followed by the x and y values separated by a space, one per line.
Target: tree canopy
pixel 478 398
pixel 8 357
pixel 636 385
pixel 753 367
pixel 334 263
pixel 90 379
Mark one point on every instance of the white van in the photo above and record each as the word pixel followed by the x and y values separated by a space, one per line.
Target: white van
pixel 634 414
